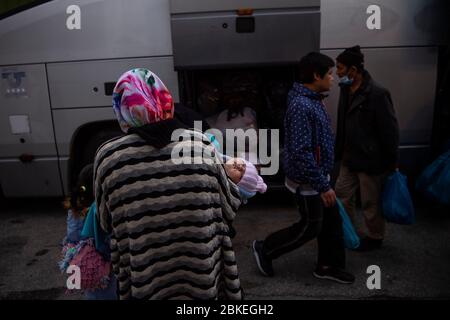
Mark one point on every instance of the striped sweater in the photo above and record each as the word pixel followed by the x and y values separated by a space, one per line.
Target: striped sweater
pixel 169 223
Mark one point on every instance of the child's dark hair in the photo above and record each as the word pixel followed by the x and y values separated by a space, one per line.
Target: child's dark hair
pixel 352 57
pixel 82 194
pixel 314 63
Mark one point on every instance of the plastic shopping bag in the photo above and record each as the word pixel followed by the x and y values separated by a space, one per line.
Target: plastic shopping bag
pixel 432 172
pixel 434 182
pixel 440 190
pixel 351 239
pixel 397 204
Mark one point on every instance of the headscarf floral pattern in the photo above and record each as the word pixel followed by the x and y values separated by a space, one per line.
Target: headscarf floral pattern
pixel 141 98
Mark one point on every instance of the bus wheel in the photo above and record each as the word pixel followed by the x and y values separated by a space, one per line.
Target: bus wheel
pixel 86 147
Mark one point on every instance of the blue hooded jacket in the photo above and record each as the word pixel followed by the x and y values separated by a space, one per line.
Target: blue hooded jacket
pixel 309 140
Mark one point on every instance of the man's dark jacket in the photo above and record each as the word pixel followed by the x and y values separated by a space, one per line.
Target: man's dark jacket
pixel 367 134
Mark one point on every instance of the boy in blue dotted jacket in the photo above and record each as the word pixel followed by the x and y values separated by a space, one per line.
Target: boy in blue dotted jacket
pixel 308 161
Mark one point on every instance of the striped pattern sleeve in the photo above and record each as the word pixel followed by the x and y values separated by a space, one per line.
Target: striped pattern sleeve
pixel 102 213
pixel 169 223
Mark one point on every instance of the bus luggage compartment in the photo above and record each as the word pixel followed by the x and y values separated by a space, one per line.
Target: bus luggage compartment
pixel 243 98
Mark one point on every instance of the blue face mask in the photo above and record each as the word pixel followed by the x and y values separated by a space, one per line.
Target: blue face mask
pixel 345 81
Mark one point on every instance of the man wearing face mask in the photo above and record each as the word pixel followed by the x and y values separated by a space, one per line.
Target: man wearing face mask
pixel 367 140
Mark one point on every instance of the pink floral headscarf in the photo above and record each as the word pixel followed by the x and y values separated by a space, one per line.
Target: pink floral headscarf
pixel 141 98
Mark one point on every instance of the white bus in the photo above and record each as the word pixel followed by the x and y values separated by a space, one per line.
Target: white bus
pixel 59 61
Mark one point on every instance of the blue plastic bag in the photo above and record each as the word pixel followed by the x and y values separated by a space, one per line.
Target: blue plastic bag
pixel 434 182
pixel 74 227
pixel 432 172
pixel 351 239
pixel 440 190
pixel 397 204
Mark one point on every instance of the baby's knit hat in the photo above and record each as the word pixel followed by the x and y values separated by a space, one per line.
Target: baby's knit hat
pixel 251 181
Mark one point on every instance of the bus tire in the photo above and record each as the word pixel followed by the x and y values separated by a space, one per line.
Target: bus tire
pixel 86 144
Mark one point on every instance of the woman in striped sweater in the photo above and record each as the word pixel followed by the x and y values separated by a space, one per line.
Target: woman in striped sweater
pixel 169 222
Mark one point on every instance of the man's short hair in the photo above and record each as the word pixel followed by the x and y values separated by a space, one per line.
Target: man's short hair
pixel 314 63
pixel 352 57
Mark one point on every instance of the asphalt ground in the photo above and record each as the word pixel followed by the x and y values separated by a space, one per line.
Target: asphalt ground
pixel 414 260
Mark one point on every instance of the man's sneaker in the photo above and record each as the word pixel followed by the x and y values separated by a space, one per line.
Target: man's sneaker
pixel 264 264
pixel 369 244
pixel 334 274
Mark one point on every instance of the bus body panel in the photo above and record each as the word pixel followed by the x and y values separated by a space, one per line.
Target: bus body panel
pixel 68 124
pixel 117 35
pixel 25 110
pixel 39 178
pixel 82 84
pixel 403 23
pixel 68 121
pixel 109 29
pixel 274 38
pixel 201 6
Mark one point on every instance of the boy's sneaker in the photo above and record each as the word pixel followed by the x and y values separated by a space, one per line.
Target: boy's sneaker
pixel 334 274
pixel 264 264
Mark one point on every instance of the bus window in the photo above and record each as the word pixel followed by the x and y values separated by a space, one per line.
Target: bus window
pixel 11 7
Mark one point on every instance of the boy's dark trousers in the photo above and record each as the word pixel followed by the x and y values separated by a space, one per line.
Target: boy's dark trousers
pixel 316 221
